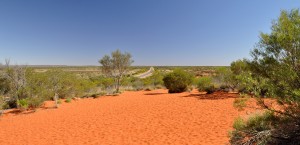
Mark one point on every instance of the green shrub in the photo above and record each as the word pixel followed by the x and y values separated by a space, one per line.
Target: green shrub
pixel 240 103
pixel 239 123
pixel 23 104
pixel 256 128
pixel 177 81
pixel 159 87
pixel 137 84
pixel 35 102
pixel 68 100
pixel 205 84
pixel 102 94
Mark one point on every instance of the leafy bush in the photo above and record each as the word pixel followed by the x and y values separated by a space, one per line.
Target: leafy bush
pixel 23 104
pixel 240 103
pixel 137 84
pixel 274 73
pixel 35 102
pixel 177 81
pixel 205 84
pixel 68 100
pixel 256 128
pixel 234 78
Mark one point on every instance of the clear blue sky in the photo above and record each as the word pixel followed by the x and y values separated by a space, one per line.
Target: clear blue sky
pixel 155 32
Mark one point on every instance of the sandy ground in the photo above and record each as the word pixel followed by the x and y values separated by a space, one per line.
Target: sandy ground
pixel 133 118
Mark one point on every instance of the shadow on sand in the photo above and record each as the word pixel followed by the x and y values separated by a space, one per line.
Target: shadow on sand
pixel 19 112
pixel 154 94
pixel 213 96
pixel 28 111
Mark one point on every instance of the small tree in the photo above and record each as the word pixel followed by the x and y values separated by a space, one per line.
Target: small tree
pixel 60 83
pixel 178 81
pixel 16 77
pixel 234 77
pixel 275 73
pixel 205 84
pixel 157 78
pixel 116 66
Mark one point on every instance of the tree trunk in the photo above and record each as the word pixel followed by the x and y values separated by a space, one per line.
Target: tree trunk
pixel 118 85
pixel 55 98
pixel 17 102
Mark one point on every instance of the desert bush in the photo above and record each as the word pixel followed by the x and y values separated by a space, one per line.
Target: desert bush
pixel 205 84
pixel 19 82
pixel 102 93
pixel 35 102
pixel 274 73
pixel 137 84
pixel 105 82
pixel 234 78
pixel 2 104
pixel 157 78
pixel 257 129
pixel 177 81
pixel 23 104
pixel 68 100
pixel 4 85
pixel 240 103
pixel 159 87
pixel 116 66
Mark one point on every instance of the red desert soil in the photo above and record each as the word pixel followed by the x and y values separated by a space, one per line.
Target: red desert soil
pixel 144 117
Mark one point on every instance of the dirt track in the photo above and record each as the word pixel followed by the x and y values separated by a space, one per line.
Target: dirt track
pixel 145 117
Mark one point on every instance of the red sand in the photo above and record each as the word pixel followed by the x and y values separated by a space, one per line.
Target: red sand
pixel 133 118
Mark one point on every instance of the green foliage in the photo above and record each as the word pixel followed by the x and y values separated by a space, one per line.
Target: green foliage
pixel 274 71
pixel 177 81
pixel 157 78
pixel 234 78
pixel 23 104
pixel 41 86
pixel 154 80
pixel 240 103
pixel 68 100
pixel 2 103
pixel 276 58
pixel 116 66
pixel 4 85
pixel 205 84
pixel 14 82
pixel 106 82
pixel 35 102
pixel 257 129
pixel 137 84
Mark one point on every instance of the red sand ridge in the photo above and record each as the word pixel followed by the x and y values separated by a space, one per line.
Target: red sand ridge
pixel 133 118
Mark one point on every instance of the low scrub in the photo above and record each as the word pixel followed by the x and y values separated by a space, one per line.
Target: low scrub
pixel 68 100
pixel 205 85
pixel 35 102
pixel 177 81
pixel 240 103
pixel 23 104
pixel 256 129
